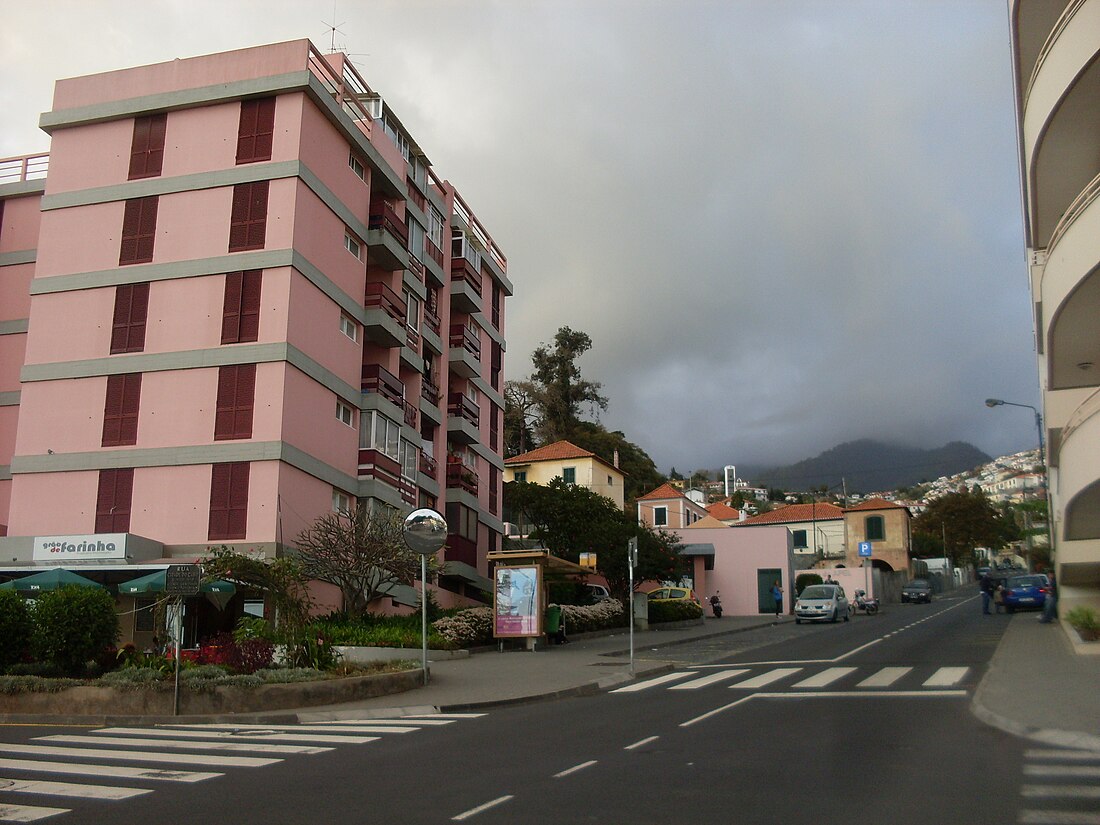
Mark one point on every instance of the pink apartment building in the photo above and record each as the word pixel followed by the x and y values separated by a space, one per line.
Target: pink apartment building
pixel 233 297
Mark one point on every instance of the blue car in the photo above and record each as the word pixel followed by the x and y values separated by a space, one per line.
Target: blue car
pixel 1025 591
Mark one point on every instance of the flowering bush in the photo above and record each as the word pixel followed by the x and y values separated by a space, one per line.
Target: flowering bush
pixel 598 616
pixel 246 656
pixel 467 628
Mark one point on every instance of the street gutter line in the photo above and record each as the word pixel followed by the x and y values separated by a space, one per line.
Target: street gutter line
pixel 575 768
pixel 481 808
pixel 641 742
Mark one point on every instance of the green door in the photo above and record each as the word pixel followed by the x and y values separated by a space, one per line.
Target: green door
pixel 765 578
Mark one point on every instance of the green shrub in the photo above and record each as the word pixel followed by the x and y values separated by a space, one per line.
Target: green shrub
pixel 804 580
pixel 599 616
pixel 134 678
pixel 1083 618
pixel 10 685
pixel 287 675
pixel 16 628
pixel 74 625
pixel 371 630
pixel 673 610
pixel 43 670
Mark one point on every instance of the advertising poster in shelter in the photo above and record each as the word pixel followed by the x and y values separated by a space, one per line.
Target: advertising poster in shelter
pixel 516 601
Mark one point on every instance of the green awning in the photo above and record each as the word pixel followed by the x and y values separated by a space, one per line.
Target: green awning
pixel 219 592
pixel 50 579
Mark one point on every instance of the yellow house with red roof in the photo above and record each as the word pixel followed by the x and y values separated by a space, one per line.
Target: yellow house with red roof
pixel 567 461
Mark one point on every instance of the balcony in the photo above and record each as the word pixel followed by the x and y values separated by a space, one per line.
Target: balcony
pixel 380 467
pixel 386 325
pixel 416 267
pixel 431 320
pixel 465 286
pixel 460 548
pixel 463 419
pixel 429 390
pixel 461 477
pixel 387 238
pixel 377 379
pixel 428 465
pixel 465 351
pixel 24 168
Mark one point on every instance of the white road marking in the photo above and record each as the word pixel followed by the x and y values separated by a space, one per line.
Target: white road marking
pixel 703 681
pixel 268 732
pixel 660 680
pixel 228 734
pixel 1060 791
pixel 946 677
pixel 825 678
pixel 641 742
pixel 1062 770
pixel 137 742
pixel 107 770
pixel 41 786
pixel 1058 818
pixel 765 678
pixel 140 756
pixel 904 694
pixel 474 811
pixel 575 768
pixel 1063 755
pixel 26 813
pixel 884 678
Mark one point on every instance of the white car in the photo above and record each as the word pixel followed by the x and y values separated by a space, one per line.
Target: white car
pixel 820 603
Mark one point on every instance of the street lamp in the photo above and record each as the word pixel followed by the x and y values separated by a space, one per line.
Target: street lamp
pixel 999 402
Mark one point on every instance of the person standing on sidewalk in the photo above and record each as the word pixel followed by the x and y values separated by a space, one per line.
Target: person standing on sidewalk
pixel 986 585
pixel 1050 606
pixel 777 594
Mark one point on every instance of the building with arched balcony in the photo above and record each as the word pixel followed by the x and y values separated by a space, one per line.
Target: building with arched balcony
pixel 1056 62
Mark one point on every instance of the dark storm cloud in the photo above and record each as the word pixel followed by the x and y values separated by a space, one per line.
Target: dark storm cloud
pixel 784 224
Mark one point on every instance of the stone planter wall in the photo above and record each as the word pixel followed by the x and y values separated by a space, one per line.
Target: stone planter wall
pixel 362 655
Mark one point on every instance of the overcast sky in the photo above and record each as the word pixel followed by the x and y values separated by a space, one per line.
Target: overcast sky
pixel 785 224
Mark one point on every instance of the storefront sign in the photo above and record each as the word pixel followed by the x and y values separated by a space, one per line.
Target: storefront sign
pixel 516 601
pixel 67 549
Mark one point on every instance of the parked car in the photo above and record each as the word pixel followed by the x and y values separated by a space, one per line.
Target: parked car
pixel 598 592
pixel 918 590
pixel 1025 591
pixel 683 594
pixel 821 602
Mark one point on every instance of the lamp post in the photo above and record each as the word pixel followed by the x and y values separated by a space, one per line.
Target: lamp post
pixel 999 402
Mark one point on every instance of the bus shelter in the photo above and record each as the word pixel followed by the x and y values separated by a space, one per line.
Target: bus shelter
pixel 521 591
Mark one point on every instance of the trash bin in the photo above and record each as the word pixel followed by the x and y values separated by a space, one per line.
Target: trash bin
pixel 553 620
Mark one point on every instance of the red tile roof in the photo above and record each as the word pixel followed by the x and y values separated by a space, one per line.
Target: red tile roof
pixel 557 451
pixel 722 511
pixel 822 511
pixel 664 491
pixel 876 504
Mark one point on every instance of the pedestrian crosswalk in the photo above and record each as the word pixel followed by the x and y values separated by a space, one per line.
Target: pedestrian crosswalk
pixel 1060 786
pixel 807 678
pixel 179 753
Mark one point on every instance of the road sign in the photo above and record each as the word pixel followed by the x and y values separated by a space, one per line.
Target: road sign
pixel 182 579
pixel 865 549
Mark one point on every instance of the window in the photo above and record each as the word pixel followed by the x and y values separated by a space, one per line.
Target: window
pixel 147 146
pixel 660 516
pixel 462 521
pixel 352 245
pixel 569 475
pixel 131 311
pixel 519 475
pixel 875 527
pixel 341 501
pixel 112 509
pixel 416 237
pixel 435 226
pixel 236 398
pixel 376 432
pixel 139 229
pixel 357 167
pixel 344 413
pixel 349 327
pixel 799 539
pixel 228 501
pixel 256 130
pixel 120 410
pixel 408 460
pixel 248 225
pixel 241 308
pixel 144 615
pixel 412 311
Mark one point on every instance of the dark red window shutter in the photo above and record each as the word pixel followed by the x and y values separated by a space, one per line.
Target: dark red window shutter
pixel 236 399
pixel 228 501
pixel 248 225
pixel 120 410
pixel 241 310
pixel 131 311
pixel 256 129
pixel 147 148
pixel 139 230
pixel 112 510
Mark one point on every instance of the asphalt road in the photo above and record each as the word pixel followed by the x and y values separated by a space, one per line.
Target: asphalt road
pixel 865 720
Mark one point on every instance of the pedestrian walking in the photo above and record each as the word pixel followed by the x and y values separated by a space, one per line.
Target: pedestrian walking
pixel 986 585
pixel 1050 606
pixel 777 594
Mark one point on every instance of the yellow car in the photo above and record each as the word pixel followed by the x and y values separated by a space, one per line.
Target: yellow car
pixel 673 594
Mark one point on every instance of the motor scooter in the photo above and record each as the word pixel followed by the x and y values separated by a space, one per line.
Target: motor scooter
pixel 861 601
pixel 716 606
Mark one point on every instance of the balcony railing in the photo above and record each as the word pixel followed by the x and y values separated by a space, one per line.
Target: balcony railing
pixel 383 216
pixel 460 548
pixel 434 252
pixel 377 378
pixel 380 296
pixel 24 168
pixel 429 391
pixel 379 466
pixel 410 414
pixel 467 338
pixel 428 465
pixel 462 477
pixel 431 320
pixel 416 268
pixel 461 406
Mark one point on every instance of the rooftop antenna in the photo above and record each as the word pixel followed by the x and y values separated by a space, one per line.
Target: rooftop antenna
pixel 332 27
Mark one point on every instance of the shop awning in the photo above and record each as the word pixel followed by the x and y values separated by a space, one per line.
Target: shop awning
pixel 218 592
pixel 697 550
